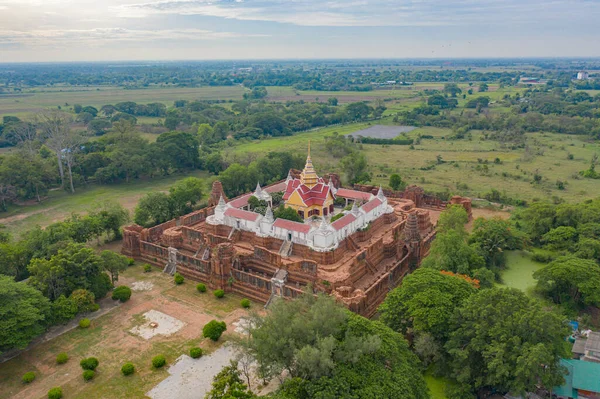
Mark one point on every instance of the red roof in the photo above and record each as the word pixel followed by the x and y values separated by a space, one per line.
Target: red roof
pixel 240 202
pixel 343 221
pixel 369 206
pixel 241 214
pixel 353 194
pixel 310 196
pixel 292 226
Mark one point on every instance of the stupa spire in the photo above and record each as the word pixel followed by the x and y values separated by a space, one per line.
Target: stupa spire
pixel 309 176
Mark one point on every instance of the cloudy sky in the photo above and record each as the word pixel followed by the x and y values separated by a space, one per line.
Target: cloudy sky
pixel 89 30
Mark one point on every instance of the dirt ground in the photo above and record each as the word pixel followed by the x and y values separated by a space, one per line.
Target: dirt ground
pixel 110 340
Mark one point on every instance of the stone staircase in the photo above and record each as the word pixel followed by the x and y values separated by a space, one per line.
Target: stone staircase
pixel 286 248
pixel 233 234
pixel 352 244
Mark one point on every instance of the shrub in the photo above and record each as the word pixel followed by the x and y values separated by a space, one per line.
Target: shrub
pixel 122 293
pixel 83 300
pixel 147 268
pixel 178 278
pixel 88 375
pixel 89 363
pixel 219 293
pixel 542 257
pixel 214 329
pixel 128 369
pixel 28 377
pixel 55 393
pixel 201 287
pixel 195 353
pixel 245 303
pixel 84 323
pixel 130 261
pixel 62 358
pixel 158 361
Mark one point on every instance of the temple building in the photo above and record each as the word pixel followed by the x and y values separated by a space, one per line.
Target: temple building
pixel 377 237
pixel 309 195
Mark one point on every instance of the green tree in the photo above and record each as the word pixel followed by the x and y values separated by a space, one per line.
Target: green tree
pixel 396 182
pixel 185 194
pixel 483 87
pixel 502 339
pixel 113 263
pixel 73 267
pixel 454 218
pixel 570 280
pixel 450 251
pixel 562 237
pixel 24 314
pixel 284 212
pixel 425 302
pixel 355 168
pixel 153 209
pixel 333 101
pixel 452 89
pixel 180 148
pixel 227 384
pixel 493 237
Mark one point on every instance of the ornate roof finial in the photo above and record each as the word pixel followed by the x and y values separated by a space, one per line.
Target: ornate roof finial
pixel 258 190
pixel 221 202
pixel 309 148
pixel 380 194
pixel 269 214
pixel 354 208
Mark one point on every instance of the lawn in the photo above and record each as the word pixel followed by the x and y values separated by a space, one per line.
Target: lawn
pixel 110 340
pixel 61 204
pixel 471 167
pixel 519 271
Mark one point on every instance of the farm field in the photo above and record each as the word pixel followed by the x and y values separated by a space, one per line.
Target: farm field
pixel 33 101
pixel 111 339
pixel 469 166
pixel 61 204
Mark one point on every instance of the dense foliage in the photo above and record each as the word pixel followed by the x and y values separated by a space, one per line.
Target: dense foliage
pixel 24 314
pixel 332 352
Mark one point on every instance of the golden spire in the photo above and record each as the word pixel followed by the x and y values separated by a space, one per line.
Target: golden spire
pixel 309 176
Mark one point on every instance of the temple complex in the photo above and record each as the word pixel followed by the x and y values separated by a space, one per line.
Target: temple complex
pixel 375 239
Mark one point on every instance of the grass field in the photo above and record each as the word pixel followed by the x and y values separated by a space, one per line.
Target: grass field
pixel 110 340
pixel 463 171
pixel 61 204
pixel 36 99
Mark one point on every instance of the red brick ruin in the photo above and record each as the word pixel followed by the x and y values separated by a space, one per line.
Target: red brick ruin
pixel 359 272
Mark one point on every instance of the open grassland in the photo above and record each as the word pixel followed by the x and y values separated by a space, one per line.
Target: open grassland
pixel 109 339
pixel 61 204
pixel 470 167
pixel 36 99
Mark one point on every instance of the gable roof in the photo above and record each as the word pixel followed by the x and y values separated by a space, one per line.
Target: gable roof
pixel 369 206
pixel 353 194
pixel 241 214
pixel 316 195
pixel 343 221
pixel 292 226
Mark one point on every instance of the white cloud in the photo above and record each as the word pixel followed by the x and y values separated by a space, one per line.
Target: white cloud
pixel 102 36
pixel 369 13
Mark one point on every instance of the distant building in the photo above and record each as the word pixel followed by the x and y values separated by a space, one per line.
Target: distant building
pixel 588 349
pixel 583 75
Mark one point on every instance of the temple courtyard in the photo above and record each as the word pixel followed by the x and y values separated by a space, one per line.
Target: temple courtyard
pixel 124 334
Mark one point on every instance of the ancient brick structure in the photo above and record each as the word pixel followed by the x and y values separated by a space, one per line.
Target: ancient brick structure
pixel 357 258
